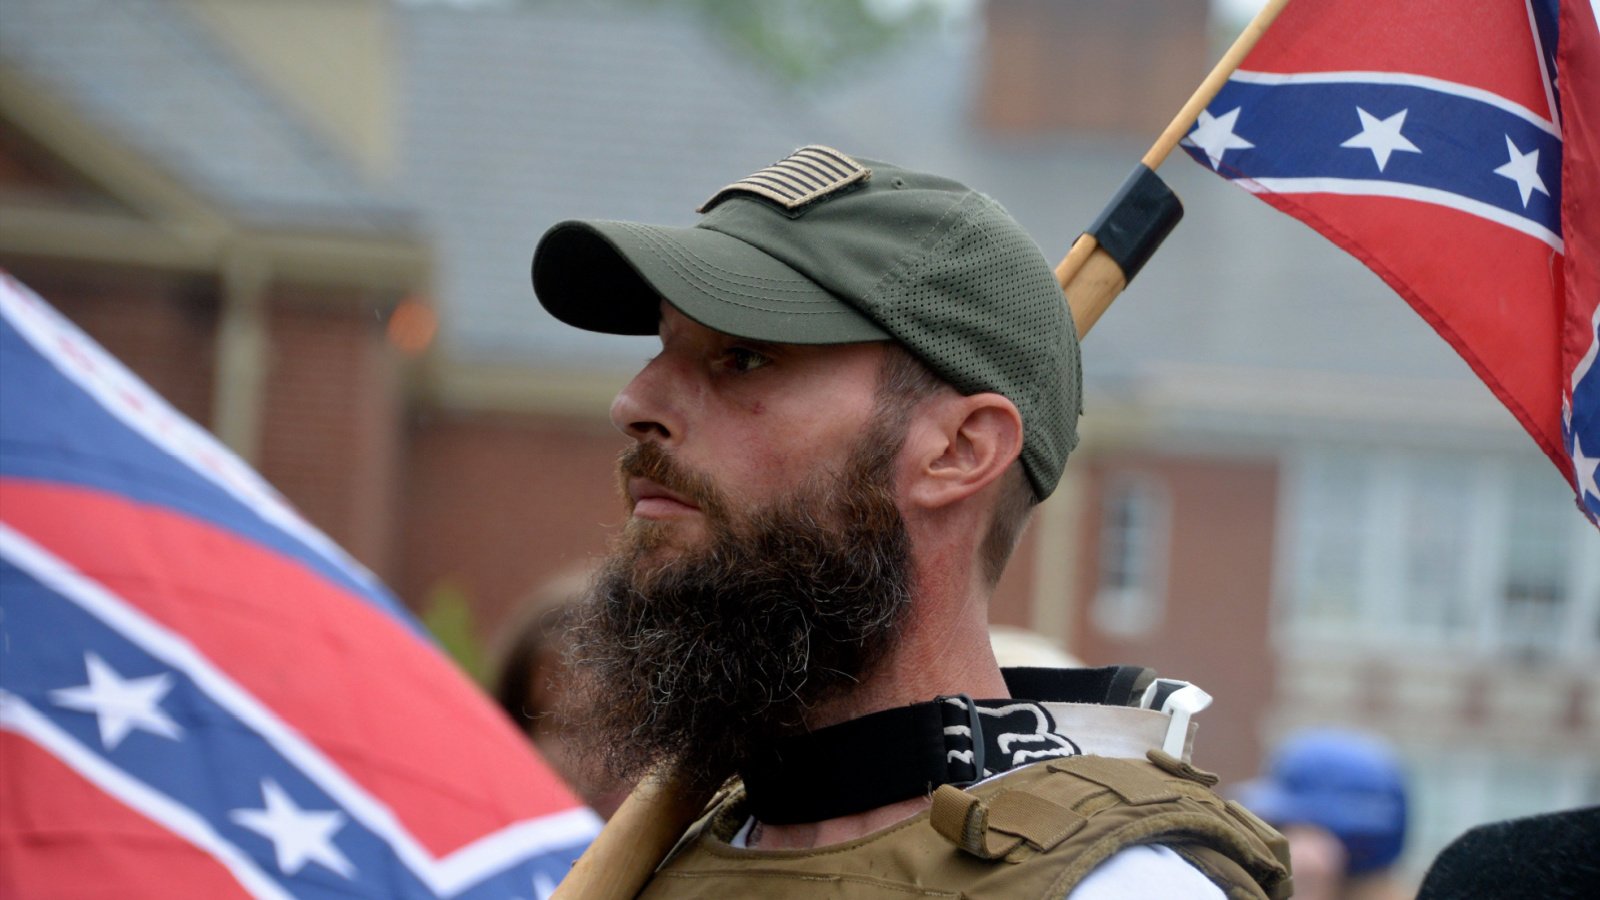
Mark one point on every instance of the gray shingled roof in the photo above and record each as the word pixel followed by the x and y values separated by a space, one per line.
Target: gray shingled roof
pixel 519 117
pixel 158 82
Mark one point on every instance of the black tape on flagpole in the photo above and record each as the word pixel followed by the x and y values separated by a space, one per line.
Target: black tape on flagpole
pixel 1138 218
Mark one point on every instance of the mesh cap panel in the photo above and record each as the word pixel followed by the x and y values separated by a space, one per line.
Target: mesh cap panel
pixel 982 309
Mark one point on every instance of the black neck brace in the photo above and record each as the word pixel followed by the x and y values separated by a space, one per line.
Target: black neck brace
pixel 897 754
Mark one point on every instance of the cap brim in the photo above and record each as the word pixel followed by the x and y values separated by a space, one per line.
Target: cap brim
pixel 611 276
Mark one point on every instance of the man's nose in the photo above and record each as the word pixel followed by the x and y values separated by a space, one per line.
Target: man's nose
pixel 650 406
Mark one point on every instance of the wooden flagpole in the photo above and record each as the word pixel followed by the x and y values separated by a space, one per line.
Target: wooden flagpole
pixel 1088 275
pixel 638 837
pixel 621 860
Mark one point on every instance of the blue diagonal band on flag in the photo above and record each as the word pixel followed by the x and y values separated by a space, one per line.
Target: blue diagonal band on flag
pixel 40 622
pixel 50 636
pixel 1581 426
pixel 1299 131
pixel 1546 16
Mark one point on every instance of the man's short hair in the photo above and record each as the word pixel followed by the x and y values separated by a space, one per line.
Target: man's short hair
pixel 903 383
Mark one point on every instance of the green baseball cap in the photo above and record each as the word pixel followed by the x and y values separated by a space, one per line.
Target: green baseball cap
pixel 820 248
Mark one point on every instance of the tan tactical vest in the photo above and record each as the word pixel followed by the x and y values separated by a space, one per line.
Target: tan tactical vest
pixel 1033 833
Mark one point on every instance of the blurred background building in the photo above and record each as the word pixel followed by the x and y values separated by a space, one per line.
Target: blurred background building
pixel 308 224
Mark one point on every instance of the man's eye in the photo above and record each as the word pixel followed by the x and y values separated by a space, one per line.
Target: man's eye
pixel 743 359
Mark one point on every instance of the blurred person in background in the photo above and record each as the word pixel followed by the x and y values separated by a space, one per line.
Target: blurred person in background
pixel 528 678
pixel 1340 798
pixel 867 379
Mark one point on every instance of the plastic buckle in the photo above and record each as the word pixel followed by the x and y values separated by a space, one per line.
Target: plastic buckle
pixel 1180 700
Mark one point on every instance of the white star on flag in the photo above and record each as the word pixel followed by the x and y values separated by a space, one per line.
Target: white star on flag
pixel 119 704
pixel 1523 168
pixel 1214 135
pixel 1381 136
pixel 298 835
pixel 1584 468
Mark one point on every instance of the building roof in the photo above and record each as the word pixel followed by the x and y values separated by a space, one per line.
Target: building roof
pixel 518 117
pixel 154 79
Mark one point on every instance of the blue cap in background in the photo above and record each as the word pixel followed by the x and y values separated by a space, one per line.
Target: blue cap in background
pixel 1346 782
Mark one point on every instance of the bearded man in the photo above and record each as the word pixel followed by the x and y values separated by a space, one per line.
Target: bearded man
pixel 867 379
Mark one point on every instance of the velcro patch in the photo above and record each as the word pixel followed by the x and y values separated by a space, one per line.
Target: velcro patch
pixel 804 176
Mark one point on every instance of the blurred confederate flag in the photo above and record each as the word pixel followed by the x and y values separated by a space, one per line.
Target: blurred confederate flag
pixel 1455 149
pixel 201 695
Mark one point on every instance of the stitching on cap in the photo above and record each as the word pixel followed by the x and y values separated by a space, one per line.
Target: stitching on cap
pixel 712 287
pixel 904 262
pixel 973 227
pixel 693 268
pixel 739 279
pixel 686 264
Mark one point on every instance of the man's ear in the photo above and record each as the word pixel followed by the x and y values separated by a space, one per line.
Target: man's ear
pixel 961 445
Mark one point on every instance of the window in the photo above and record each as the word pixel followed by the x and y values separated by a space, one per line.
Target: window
pixel 1333 541
pixel 1535 585
pixel 1453 789
pixel 1435 509
pixel 1450 550
pixel 1133 548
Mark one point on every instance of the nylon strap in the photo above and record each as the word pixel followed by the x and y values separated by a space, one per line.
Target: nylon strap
pixel 907 752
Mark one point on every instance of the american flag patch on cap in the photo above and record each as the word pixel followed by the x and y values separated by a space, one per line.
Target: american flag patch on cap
pixel 803 177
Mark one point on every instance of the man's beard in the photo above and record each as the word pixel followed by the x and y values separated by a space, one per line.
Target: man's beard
pixel 694 658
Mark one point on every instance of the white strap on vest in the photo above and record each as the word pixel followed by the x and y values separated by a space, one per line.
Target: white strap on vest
pixel 1130 732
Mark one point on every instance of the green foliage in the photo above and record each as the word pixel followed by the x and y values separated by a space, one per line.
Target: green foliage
pixel 808 40
pixel 449 618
